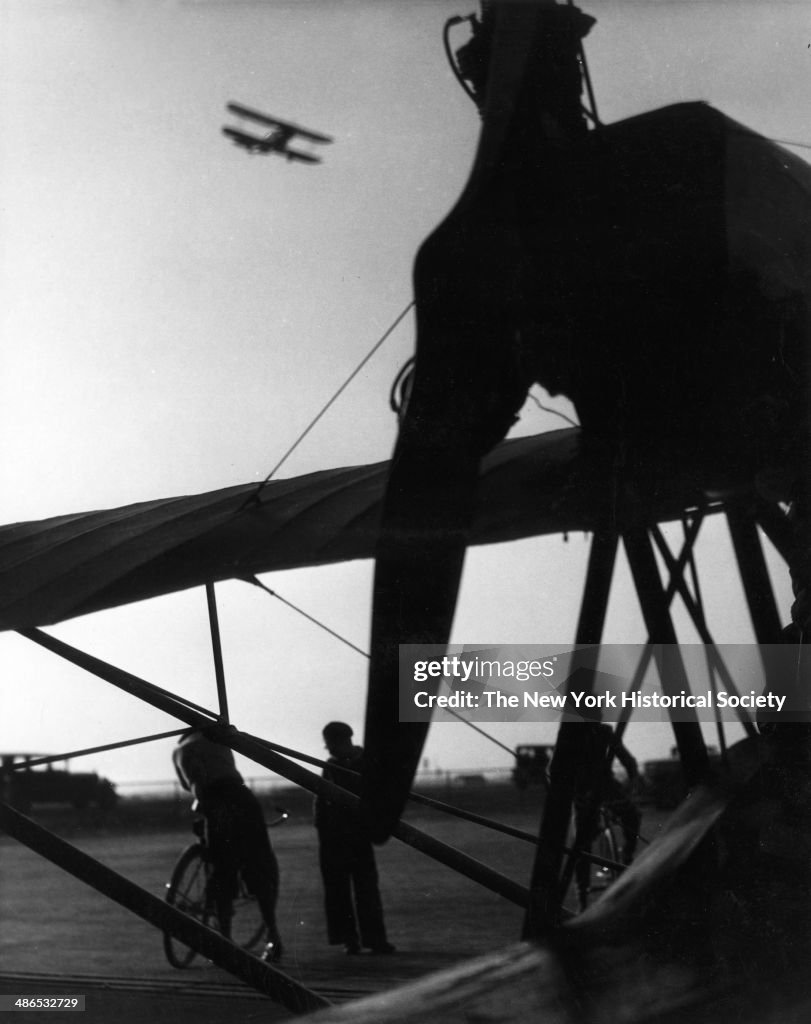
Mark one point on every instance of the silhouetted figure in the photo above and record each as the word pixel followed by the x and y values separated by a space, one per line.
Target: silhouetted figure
pixel 596 785
pixel 236 832
pixel 352 902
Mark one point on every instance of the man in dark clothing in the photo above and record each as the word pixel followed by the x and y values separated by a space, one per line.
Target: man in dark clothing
pixel 346 855
pixel 236 833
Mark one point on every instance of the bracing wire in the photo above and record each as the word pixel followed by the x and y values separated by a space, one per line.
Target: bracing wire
pixel 487 735
pixel 321 625
pixel 331 401
pixel 477 728
pixel 327 629
pixel 418 798
pixel 55 758
pixel 790 142
pixel 742 130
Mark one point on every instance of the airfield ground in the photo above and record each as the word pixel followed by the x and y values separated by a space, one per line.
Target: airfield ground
pixel 59 936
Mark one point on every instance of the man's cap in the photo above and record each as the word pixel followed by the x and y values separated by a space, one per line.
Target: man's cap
pixel 337 730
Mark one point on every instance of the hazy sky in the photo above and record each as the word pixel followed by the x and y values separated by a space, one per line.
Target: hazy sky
pixel 175 312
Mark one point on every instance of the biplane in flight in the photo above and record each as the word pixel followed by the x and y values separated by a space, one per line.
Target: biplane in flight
pixel 657 271
pixel 276 141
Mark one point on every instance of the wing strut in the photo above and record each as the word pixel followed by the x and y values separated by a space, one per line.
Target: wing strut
pixel 214 623
pixel 221 951
pixel 257 750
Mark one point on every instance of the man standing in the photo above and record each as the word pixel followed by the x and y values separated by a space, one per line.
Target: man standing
pixel 351 895
pixel 235 831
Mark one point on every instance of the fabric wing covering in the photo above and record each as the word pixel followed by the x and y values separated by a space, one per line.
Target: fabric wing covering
pixel 59 568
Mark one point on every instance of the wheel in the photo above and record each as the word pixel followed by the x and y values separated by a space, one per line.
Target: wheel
pixel 186 890
pixel 247 926
pixel 598 877
pixel 604 846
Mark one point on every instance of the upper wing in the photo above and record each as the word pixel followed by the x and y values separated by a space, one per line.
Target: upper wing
pixel 305 133
pixel 58 568
pixel 273 122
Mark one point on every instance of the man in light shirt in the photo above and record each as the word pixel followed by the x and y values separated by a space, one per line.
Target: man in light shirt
pixel 236 832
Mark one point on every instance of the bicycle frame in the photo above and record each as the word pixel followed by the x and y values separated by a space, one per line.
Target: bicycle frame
pixel 189 890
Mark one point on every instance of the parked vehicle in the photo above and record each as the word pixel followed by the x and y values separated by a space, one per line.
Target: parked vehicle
pixel 531 764
pixel 47 784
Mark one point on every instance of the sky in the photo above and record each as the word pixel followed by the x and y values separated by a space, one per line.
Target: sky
pixel 176 312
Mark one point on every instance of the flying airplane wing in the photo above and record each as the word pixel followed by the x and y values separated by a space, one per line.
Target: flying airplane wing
pixel 305 133
pixel 242 139
pixel 274 122
pixel 307 158
pixel 59 568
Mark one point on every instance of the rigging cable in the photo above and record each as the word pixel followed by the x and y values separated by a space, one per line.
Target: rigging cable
pixel 419 798
pixel 55 758
pixel 487 735
pixel 273 593
pixel 743 130
pixel 337 394
pixel 427 801
pixel 789 142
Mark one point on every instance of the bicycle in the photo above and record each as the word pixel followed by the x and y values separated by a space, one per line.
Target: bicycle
pixel 595 867
pixel 606 866
pixel 188 890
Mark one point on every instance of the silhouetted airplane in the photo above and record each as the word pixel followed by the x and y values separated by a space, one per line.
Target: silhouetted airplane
pixel 275 141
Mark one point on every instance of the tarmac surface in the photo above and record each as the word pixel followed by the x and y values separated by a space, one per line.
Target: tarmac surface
pixel 60 937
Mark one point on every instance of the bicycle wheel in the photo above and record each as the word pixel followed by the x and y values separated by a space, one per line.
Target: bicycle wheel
pixel 586 884
pixel 247 925
pixel 186 890
pixel 605 846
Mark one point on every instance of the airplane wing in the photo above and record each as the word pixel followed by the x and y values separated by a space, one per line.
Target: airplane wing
pixel 307 158
pixel 274 122
pixel 305 133
pixel 56 569
pixel 242 139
